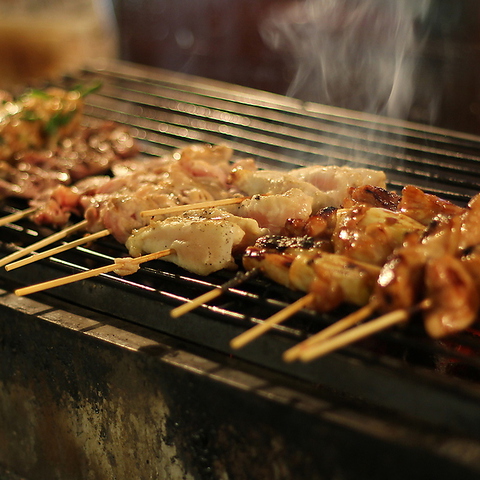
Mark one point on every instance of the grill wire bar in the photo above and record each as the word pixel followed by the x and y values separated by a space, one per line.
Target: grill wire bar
pixel 400 370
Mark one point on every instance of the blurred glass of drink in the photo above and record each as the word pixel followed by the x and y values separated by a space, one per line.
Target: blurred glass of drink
pixel 44 39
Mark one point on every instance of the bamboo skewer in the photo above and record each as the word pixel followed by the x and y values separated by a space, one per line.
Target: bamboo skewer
pixel 354 335
pixel 13 217
pixel 193 206
pixel 256 331
pixel 341 325
pixel 362 331
pixel 205 298
pixel 89 273
pixel 54 251
pixel 43 243
pixel 212 294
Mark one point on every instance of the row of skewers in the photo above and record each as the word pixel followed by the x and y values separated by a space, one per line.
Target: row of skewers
pixel 334 233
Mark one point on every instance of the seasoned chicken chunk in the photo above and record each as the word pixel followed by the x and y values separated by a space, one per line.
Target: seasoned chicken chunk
pixel 204 241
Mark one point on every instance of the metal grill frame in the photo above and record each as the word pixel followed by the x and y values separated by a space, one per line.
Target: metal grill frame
pixel 169 110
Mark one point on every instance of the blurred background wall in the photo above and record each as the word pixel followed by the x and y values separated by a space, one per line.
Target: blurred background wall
pixel 255 43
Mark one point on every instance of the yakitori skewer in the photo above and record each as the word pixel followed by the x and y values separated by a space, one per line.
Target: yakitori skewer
pixel 212 294
pixel 360 332
pixel 43 243
pixel 13 217
pixel 334 329
pixel 54 251
pixel 259 329
pixel 193 206
pixel 81 225
pixel 90 273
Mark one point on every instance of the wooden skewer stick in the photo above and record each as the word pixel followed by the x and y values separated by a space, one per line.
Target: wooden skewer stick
pixel 89 273
pixel 341 325
pixel 212 294
pixel 54 251
pixel 362 331
pixel 192 206
pixel 13 217
pixel 205 298
pixel 256 331
pixel 43 243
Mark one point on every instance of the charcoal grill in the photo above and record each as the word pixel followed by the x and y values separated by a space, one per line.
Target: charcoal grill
pixel 397 376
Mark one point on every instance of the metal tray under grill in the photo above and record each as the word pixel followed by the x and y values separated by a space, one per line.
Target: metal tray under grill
pixel 400 370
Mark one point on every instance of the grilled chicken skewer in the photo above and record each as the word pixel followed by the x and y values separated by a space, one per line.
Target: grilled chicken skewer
pixel 436 276
pixel 354 231
pixel 325 228
pixel 328 278
pixel 217 233
pixel 115 203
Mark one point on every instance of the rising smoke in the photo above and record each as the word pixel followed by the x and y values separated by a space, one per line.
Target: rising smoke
pixel 359 54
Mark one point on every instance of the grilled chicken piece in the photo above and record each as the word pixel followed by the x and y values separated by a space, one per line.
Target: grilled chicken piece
pixel 372 196
pixel 273 211
pixel 424 207
pixel 442 267
pixel 262 182
pixel 453 296
pixel 204 241
pixel 400 282
pixel 370 234
pixel 333 278
pixel 327 185
pixel 319 226
pixel 470 229
pixel 337 181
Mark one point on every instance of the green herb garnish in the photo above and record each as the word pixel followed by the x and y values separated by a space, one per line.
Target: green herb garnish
pixel 29 116
pixel 58 120
pixel 87 90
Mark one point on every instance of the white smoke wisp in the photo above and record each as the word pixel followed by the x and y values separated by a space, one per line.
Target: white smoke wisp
pixel 358 54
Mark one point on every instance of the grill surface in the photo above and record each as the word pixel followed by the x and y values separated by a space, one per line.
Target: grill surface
pixel 399 370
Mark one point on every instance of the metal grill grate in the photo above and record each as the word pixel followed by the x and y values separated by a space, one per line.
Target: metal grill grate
pixel 438 382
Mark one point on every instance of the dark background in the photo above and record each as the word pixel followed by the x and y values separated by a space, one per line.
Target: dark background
pixel 222 40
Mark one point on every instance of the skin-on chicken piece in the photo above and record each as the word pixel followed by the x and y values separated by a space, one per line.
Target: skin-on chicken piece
pixel 371 234
pixel 274 210
pixel 336 181
pixel 333 278
pixel 327 185
pixel 367 234
pixel 424 207
pixel 372 196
